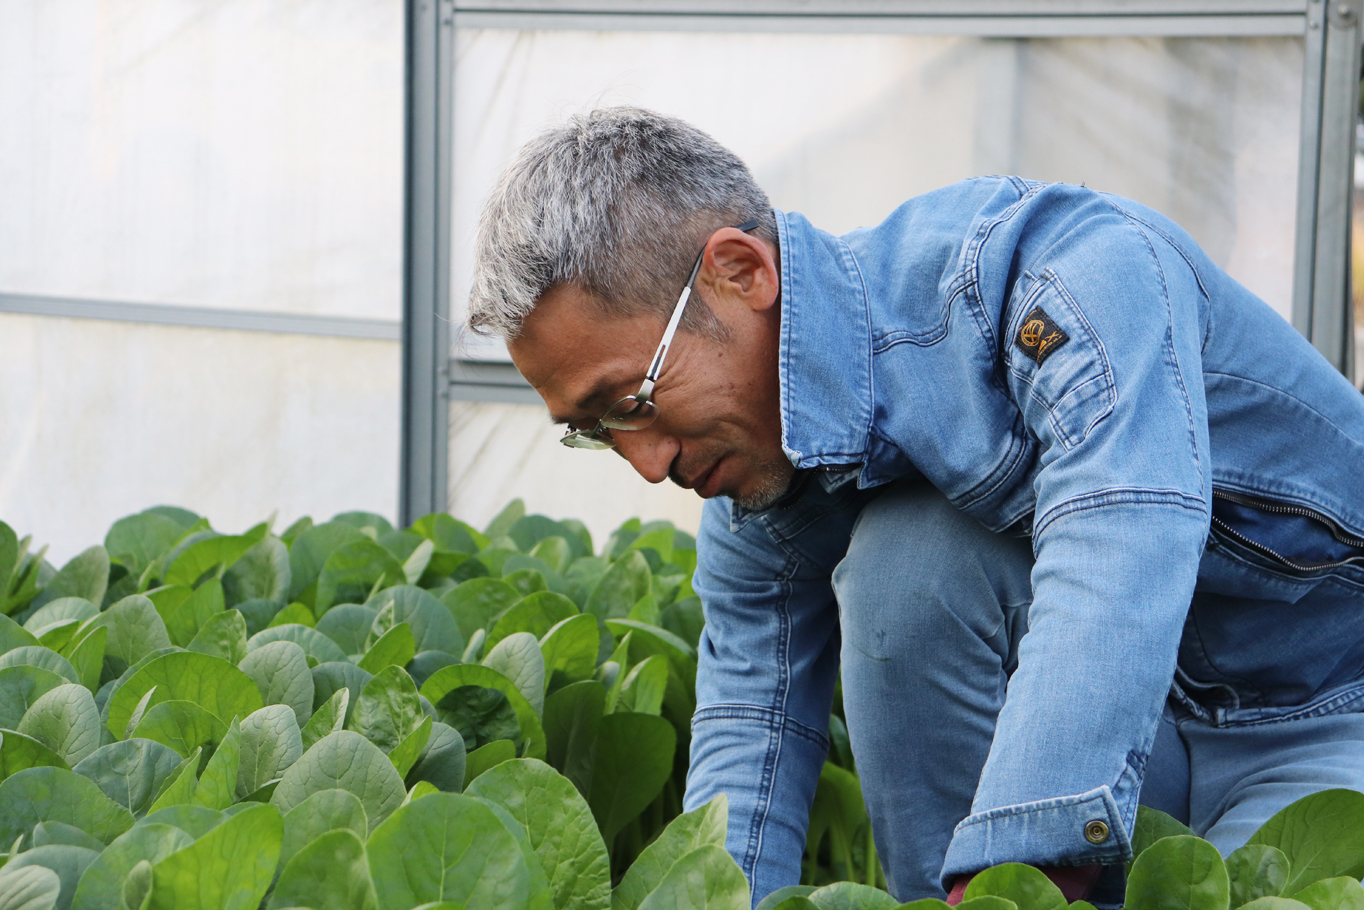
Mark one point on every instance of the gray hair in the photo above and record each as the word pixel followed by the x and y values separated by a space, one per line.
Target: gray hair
pixel 617 202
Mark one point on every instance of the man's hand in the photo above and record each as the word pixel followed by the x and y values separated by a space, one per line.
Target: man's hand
pixel 1074 882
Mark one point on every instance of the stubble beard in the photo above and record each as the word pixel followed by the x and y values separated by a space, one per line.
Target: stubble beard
pixel 771 483
pixel 771 480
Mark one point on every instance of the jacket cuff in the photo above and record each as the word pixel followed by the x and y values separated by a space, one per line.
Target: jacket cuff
pixel 1064 831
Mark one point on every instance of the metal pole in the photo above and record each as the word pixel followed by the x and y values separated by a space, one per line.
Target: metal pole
pixel 426 259
pixel 1309 150
pixel 1322 305
pixel 1332 316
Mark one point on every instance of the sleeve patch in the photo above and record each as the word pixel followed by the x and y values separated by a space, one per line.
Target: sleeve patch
pixel 1039 337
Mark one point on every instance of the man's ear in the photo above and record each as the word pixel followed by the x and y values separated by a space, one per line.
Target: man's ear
pixel 739 269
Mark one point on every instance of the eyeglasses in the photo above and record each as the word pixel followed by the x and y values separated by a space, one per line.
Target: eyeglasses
pixel 635 412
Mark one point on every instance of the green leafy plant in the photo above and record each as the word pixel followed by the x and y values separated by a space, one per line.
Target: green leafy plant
pixel 349 715
pixel 274 711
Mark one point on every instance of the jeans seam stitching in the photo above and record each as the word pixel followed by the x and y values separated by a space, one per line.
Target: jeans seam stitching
pixel 1033 807
pixel 1333 424
pixel 1106 375
pixel 846 252
pixel 1054 419
pixel 1324 708
pixel 783 534
pixel 1173 355
pixel 999 474
pixel 1119 496
pixel 1131 216
pixel 971 267
pixel 766 789
pixel 758 713
pixel 1028 808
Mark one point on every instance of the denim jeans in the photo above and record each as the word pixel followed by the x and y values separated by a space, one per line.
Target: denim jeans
pixel 928 647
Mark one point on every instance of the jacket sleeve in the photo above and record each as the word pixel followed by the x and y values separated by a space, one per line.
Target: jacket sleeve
pixel 767 664
pixel 1116 404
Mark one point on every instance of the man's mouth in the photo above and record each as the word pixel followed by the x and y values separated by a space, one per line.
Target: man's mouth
pixel 699 480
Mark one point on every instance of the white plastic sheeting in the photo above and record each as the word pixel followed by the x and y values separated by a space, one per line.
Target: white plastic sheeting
pixel 239 154
pixel 100 419
pixel 845 127
pixel 244 154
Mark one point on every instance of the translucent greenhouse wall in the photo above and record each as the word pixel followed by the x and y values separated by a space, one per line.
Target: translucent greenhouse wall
pixel 844 127
pixel 245 159
pixel 242 157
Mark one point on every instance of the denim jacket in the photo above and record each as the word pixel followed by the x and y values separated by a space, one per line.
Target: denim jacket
pixel 1059 363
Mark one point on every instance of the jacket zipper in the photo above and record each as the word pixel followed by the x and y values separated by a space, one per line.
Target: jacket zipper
pixel 1278 508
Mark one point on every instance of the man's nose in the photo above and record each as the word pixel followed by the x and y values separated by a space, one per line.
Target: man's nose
pixel 649 452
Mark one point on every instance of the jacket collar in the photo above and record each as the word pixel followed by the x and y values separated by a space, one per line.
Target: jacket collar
pixel 825 348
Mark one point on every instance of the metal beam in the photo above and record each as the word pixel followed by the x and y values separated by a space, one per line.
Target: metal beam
pixel 1322 308
pixel 201 317
pixel 1309 147
pixel 937 8
pixel 992 18
pixel 426 258
pixel 476 380
pixel 977 26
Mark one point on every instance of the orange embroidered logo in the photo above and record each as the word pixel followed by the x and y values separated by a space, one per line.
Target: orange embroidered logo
pixel 1039 337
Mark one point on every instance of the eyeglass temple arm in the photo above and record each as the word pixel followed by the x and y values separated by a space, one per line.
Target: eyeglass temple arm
pixel 657 365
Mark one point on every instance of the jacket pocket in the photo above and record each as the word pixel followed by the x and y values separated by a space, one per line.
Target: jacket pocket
pixel 1291 538
pixel 1059 373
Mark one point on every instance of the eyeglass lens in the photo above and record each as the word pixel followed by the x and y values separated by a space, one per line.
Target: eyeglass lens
pixel 630 414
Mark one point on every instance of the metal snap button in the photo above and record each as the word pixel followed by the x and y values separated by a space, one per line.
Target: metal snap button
pixel 1096 832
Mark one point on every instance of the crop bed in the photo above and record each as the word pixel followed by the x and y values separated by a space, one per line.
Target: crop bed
pixel 347 715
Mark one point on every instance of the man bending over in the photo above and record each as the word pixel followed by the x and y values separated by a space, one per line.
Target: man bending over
pixel 1078 516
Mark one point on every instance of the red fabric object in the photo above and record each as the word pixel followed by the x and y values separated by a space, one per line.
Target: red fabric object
pixel 958 890
pixel 1074 882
